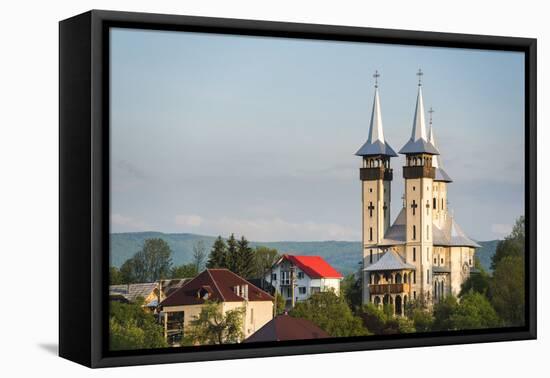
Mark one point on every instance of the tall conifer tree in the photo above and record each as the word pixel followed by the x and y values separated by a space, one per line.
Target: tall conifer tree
pixel 218 255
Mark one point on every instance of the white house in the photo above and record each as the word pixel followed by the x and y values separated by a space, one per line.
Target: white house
pixel 309 275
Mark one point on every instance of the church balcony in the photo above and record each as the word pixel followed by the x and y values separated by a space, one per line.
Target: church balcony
pixel 412 172
pixel 378 173
pixel 389 288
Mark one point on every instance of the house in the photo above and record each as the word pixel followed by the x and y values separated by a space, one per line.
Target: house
pixel 424 253
pixel 285 327
pixel 218 285
pixel 131 293
pixel 298 277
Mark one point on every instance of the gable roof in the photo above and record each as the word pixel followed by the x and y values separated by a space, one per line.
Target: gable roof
pixel 286 327
pixel 132 292
pixel 218 284
pixel 313 266
pixel 390 261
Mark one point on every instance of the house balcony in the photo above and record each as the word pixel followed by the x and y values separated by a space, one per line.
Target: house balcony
pixel 389 288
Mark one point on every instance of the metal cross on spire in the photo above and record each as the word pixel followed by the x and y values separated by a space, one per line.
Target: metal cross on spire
pixel 419 74
pixel 376 76
pixel 431 111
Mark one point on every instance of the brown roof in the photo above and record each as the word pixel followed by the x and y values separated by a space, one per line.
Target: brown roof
pixel 286 327
pixel 214 285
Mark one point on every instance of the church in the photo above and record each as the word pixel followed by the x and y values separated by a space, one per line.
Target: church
pixel 423 255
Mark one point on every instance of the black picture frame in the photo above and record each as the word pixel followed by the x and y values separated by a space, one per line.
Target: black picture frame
pixel 84 184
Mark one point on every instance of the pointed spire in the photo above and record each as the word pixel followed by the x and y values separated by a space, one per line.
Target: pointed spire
pixel 419 143
pixel 440 174
pixel 376 144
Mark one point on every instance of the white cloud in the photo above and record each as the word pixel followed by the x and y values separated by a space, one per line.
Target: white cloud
pixel 189 220
pixel 128 223
pixel 501 228
pixel 268 229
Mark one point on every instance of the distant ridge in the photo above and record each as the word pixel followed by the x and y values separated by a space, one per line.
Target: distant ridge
pixel 342 255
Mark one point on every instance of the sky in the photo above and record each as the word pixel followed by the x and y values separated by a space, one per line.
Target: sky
pixel 216 134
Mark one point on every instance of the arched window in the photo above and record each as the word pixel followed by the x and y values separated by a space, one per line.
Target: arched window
pixel 414 254
pixel 370 259
pixel 414 232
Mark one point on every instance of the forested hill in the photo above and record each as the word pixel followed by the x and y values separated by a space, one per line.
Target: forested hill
pixel 343 255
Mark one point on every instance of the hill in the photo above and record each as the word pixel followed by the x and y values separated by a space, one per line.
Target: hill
pixel 343 255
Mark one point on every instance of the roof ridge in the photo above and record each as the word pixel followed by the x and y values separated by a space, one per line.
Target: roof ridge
pixel 248 282
pixel 216 284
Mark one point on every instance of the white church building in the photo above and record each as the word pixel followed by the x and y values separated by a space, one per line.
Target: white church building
pixel 423 254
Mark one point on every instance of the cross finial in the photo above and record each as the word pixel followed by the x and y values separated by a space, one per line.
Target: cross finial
pixel 376 76
pixel 431 111
pixel 419 74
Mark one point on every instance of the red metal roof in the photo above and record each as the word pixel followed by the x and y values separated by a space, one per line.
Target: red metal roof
pixel 313 266
pixel 218 284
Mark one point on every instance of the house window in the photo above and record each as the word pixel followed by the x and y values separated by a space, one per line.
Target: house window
pixel 370 233
pixel 302 290
pixel 414 232
pixel 370 258
pixel 273 276
pixel 414 254
pixel 300 275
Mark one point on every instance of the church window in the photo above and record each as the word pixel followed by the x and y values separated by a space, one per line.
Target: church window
pixel 371 208
pixel 442 261
pixel 428 276
pixel 427 232
pixel 370 190
pixel 435 260
pixel 414 254
pixel 414 278
pixel 435 203
pixel 413 207
pixel 414 232
pixel 414 294
pixel 470 262
pixel 370 233
pixel 414 188
pixel 370 258
pixel 442 203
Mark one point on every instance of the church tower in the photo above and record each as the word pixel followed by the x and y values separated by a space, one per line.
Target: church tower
pixel 376 176
pixel 419 174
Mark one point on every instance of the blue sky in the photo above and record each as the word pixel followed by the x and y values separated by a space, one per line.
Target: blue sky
pixel 214 134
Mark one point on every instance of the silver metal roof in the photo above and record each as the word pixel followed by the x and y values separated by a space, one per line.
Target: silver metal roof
pixel 440 174
pixel 376 144
pixel 133 291
pixel 418 143
pixel 389 261
pixel 450 235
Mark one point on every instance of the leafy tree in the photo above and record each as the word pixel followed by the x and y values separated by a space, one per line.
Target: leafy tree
pixel 280 305
pixel 477 282
pixel 473 312
pixel 507 290
pixel 115 277
pixel 512 245
pixel 374 318
pixel 212 326
pixel 423 320
pixel 245 259
pixel 218 255
pixel 184 271
pixel 264 261
pixel 199 255
pixel 442 313
pixel 151 263
pixel 232 258
pixel 132 328
pixel 330 313
pixel 352 291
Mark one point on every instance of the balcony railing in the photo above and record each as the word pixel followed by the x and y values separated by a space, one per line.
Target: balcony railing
pixel 389 288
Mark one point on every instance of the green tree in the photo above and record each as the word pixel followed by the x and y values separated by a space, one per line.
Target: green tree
pixel 477 282
pixel 218 255
pixel 264 261
pixel 473 312
pixel 330 313
pixel 115 277
pixel 199 255
pixel 508 291
pixel 151 263
pixel 132 328
pixel 184 271
pixel 374 318
pixel 213 326
pixel 442 313
pixel 423 320
pixel 280 305
pixel 352 291
pixel 245 259
pixel 232 258
pixel 512 245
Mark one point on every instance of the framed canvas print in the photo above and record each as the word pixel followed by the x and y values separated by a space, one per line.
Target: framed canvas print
pixel 234 188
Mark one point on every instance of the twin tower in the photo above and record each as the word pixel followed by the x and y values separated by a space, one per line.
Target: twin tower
pixel 419 254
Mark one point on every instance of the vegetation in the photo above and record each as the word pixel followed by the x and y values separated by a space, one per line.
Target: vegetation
pixel 212 326
pixel 381 321
pixel 184 271
pixel 330 313
pixel 151 263
pixel 115 277
pixel 199 255
pixel 130 327
pixel 352 291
